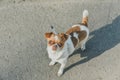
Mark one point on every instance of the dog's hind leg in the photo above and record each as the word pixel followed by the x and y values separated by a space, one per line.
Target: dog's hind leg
pixel 83 44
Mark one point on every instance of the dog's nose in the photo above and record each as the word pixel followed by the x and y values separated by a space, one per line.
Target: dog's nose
pixel 54 47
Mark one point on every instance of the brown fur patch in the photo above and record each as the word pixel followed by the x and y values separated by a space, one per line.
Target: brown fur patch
pixel 74 40
pixel 62 38
pixel 81 34
pixel 49 34
pixel 60 41
pixel 73 29
pixel 85 21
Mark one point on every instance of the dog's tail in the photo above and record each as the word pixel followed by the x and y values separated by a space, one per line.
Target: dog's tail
pixel 85 18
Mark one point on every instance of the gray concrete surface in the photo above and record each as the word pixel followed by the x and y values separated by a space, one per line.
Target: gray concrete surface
pixel 23 53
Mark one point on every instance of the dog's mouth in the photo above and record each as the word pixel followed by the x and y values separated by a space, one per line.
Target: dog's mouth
pixel 57 46
pixel 54 47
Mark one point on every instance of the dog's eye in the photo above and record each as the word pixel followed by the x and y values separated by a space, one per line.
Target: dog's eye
pixel 60 44
pixel 51 42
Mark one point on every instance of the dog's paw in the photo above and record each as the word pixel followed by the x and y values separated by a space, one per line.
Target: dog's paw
pixel 60 73
pixel 51 63
pixel 83 48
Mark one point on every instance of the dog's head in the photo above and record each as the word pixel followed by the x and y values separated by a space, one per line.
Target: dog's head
pixel 56 41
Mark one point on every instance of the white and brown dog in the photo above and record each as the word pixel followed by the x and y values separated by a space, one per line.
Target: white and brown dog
pixel 61 46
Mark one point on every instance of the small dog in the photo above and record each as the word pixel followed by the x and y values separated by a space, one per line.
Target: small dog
pixel 61 46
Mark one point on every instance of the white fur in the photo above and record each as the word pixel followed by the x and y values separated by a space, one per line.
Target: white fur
pixel 85 13
pixel 83 42
pixel 76 36
pixel 61 56
pixel 82 28
pixel 56 37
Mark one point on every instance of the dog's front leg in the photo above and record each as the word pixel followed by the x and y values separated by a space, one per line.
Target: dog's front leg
pixel 52 63
pixel 63 63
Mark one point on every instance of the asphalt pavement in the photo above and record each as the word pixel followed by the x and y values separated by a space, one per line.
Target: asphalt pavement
pixel 23 54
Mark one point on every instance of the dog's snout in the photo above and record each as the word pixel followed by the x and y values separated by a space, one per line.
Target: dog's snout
pixel 54 47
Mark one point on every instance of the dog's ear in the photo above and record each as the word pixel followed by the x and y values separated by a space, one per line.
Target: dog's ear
pixel 48 35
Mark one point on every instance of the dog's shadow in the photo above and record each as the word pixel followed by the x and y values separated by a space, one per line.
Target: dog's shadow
pixel 103 39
